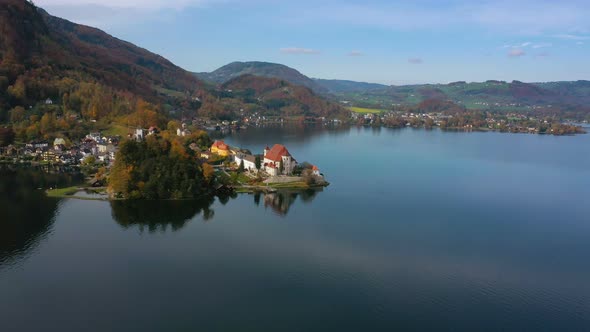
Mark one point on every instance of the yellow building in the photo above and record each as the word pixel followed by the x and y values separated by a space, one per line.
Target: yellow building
pixel 220 148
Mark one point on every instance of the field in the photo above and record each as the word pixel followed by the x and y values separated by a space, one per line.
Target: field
pixel 62 192
pixel 364 110
pixel 115 130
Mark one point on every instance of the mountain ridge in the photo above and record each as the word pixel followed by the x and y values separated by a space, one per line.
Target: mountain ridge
pixel 262 69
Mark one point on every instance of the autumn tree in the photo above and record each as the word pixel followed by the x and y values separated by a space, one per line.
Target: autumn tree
pixel 17 114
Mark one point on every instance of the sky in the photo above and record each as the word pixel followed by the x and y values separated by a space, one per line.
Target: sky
pixel 388 42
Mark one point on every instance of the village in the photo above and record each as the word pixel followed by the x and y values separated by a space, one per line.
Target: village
pixel 237 168
pixel 274 168
pixel 469 121
pixel 94 148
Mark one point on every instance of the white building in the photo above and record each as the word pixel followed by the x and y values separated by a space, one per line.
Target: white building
pixel 139 134
pixel 315 170
pixel 248 160
pixel 276 158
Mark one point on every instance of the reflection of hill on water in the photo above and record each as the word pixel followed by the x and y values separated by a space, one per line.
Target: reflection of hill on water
pixel 160 215
pixel 280 202
pixel 27 214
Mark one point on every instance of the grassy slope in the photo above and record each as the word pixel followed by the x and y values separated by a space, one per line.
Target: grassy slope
pixel 363 110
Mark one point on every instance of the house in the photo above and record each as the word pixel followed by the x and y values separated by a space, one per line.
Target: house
pixel 278 160
pixel 11 150
pixel 183 131
pixel 248 160
pixel 94 136
pixel 153 130
pixel 38 145
pixel 139 134
pixel 220 148
pixel 102 148
pixel 111 151
pixel 48 101
pixel 59 144
pixel 315 170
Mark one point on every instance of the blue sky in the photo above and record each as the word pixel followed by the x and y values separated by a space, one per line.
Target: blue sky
pixel 390 42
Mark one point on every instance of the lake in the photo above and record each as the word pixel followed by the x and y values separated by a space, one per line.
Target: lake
pixel 418 231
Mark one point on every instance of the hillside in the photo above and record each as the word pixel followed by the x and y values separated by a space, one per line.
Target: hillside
pixel 42 56
pixel 271 97
pixel 559 98
pixel 262 69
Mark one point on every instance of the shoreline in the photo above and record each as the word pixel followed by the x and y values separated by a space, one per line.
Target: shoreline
pixel 70 192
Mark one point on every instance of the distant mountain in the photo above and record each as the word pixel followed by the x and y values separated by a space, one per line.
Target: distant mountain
pixel 344 86
pixel 263 69
pixel 42 56
pixel 491 94
pixel 273 97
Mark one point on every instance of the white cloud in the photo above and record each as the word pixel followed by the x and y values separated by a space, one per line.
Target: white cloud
pixel 516 52
pixel 528 44
pixel 571 37
pixel 298 50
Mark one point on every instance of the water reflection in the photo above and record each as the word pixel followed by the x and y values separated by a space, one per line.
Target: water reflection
pixel 27 215
pixel 280 202
pixel 159 216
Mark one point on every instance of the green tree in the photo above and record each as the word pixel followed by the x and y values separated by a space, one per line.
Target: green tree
pixel 257 162
pixel 241 167
pixel 157 169
pixel 88 161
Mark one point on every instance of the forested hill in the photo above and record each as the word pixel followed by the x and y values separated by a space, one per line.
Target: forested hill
pixel 271 97
pixel 262 69
pixel 42 56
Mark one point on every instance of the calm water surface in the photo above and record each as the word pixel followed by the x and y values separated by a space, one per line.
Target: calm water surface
pixel 419 231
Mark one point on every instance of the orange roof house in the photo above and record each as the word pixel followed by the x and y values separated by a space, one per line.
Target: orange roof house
pixel 220 148
pixel 278 155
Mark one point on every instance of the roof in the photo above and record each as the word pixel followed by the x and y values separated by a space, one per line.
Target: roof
pixel 220 145
pixel 277 152
pixel 315 168
pixel 247 157
pixel 250 158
